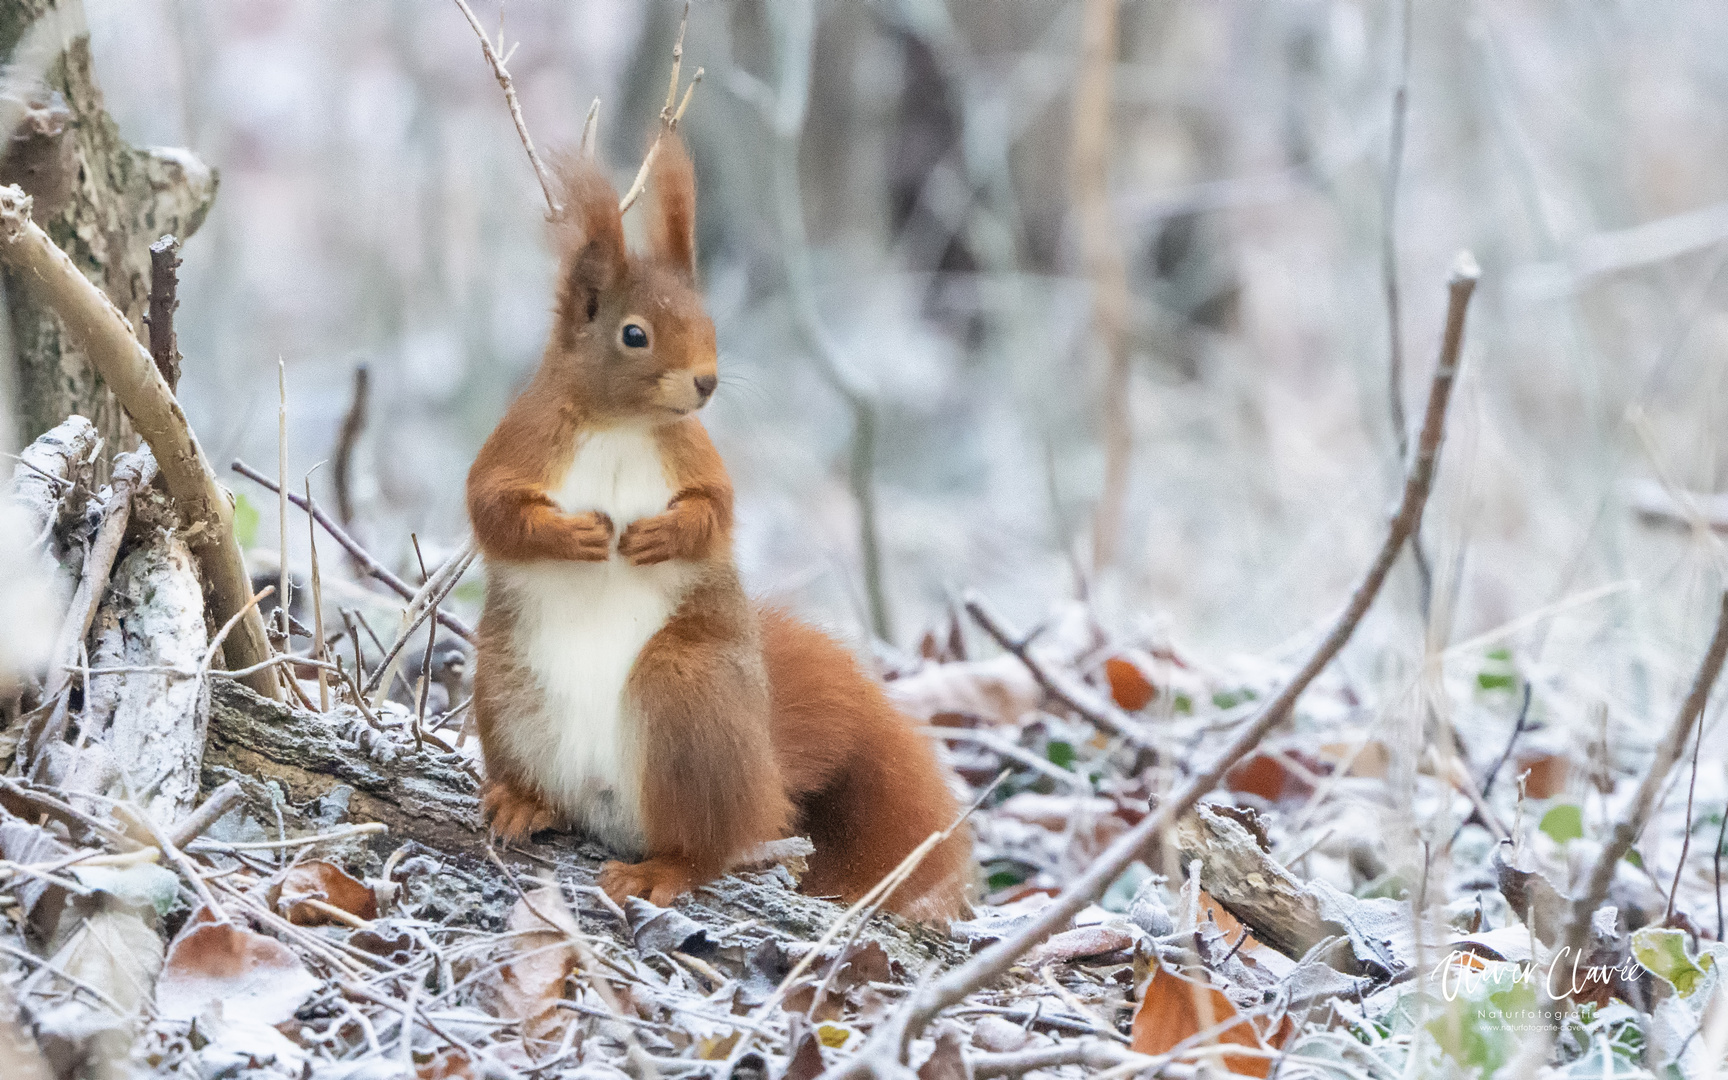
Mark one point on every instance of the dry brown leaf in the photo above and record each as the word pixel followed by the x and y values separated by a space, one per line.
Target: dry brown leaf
pixel 806 1062
pixel 1544 774
pixel 325 882
pixel 1128 684
pixel 1173 1009
pixel 449 1063
pixel 1081 942
pixel 250 974
pixel 528 987
pixel 947 1061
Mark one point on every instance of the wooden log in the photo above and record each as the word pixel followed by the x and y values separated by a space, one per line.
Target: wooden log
pixel 430 798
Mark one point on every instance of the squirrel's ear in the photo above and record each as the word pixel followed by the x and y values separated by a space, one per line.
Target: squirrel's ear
pixel 673 183
pixel 590 236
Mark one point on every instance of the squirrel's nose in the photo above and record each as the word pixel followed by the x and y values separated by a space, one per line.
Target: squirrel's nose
pixel 705 385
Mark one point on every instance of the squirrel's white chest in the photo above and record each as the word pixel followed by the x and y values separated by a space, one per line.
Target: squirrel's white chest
pixel 579 627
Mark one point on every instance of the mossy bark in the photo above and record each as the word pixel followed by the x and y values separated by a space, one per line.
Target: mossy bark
pixel 104 202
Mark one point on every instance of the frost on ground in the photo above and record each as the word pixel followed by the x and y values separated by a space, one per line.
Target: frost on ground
pixel 342 918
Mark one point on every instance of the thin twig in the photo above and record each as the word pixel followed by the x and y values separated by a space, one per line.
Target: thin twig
pixel 509 87
pixel 370 828
pixel 1686 833
pixel 190 827
pixel 1628 828
pixel 426 659
pixel 353 423
pixel 892 1038
pixel 367 563
pixel 72 980
pixel 1721 839
pixel 669 116
pixel 284 593
pixel 174 855
pixel 423 606
pixel 1088 706
pixel 317 608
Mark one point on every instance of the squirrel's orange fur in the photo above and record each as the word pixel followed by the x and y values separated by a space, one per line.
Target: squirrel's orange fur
pixel 624 684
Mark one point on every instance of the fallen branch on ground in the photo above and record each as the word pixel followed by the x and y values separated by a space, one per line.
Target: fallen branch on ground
pixel 887 1047
pixel 1628 828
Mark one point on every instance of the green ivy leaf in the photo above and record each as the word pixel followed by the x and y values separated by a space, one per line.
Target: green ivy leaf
pixel 1662 952
pixel 1564 822
pixel 245 520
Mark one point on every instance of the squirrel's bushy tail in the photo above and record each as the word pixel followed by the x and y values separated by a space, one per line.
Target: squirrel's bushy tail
pixel 866 782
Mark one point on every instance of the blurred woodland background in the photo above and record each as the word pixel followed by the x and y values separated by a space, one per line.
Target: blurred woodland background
pixel 1014 248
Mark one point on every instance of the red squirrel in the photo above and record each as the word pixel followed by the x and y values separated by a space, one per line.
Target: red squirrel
pixel 624 683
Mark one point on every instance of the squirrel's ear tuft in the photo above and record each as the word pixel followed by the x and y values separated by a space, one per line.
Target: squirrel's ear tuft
pixel 673 183
pixel 590 236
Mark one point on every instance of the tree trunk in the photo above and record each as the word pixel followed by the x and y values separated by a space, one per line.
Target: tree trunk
pixel 102 201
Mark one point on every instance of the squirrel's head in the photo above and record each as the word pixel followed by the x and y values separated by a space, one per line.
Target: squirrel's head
pixel 630 336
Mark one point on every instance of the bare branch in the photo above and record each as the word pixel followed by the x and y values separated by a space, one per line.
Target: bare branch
pixel 353 423
pixel 1096 711
pixel 669 116
pixel 107 338
pixel 894 1035
pixel 422 606
pixel 362 557
pixel 502 74
pixel 1628 828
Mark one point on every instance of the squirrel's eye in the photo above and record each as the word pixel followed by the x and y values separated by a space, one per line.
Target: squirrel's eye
pixel 634 337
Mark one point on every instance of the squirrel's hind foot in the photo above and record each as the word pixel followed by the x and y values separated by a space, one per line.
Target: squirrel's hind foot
pixel 513 814
pixel 659 880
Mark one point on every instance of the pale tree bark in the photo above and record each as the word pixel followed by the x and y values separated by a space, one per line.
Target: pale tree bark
pixel 103 202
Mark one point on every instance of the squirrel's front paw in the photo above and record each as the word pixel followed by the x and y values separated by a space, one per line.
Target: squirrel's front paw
pixel 659 880
pixel 649 540
pixel 592 536
pixel 514 815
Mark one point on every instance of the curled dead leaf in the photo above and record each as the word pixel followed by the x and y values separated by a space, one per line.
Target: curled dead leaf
pixel 1081 943
pixel 1174 1009
pixel 307 886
